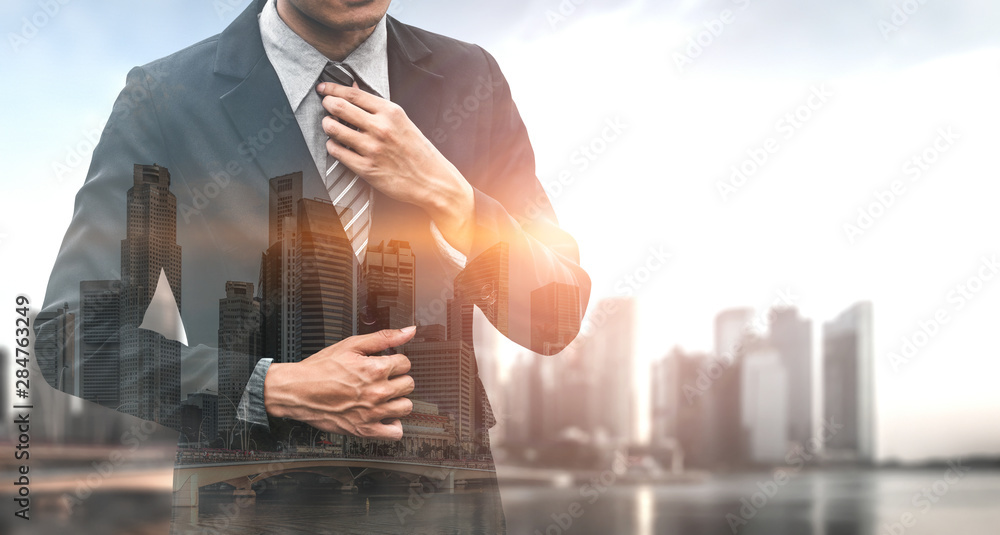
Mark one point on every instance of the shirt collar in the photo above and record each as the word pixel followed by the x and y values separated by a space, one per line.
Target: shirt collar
pixel 299 65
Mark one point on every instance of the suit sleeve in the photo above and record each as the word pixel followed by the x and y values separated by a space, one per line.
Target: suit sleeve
pixel 87 278
pixel 513 208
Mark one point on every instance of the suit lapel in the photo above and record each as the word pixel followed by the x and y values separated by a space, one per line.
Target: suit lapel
pixel 416 89
pixel 257 106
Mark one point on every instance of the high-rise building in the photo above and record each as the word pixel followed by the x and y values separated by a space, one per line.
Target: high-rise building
pixel 150 363
pixel 55 348
pixel 722 412
pixel 445 374
pixel 665 398
pixel 791 336
pixel 200 423
pixel 849 384
pixel 278 270
pixel 325 312
pixel 239 346
pixel 100 322
pixel 608 355
pixel 485 282
pixel 308 275
pixel 388 298
pixel 730 328
pixel 764 403
pixel 555 317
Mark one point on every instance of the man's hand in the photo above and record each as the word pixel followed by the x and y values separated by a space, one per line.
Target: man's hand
pixel 343 390
pixel 394 157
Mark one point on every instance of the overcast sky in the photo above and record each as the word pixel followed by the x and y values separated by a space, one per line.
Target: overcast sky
pixel 671 120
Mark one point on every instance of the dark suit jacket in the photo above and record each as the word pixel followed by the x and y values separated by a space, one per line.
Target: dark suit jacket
pixel 216 116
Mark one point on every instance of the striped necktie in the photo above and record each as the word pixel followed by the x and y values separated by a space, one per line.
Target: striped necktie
pixel 351 195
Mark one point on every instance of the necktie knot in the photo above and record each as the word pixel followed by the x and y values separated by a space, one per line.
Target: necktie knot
pixel 338 73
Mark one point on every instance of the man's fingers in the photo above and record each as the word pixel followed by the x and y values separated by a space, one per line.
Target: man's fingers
pixel 369 344
pixel 343 134
pixel 347 112
pixel 397 408
pixel 386 430
pixel 398 365
pixel 362 99
pixel 402 385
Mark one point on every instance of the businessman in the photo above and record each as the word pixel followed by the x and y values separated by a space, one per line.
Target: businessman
pixel 314 146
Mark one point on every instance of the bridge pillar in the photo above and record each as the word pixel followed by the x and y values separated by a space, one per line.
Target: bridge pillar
pixel 187 494
pixel 449 482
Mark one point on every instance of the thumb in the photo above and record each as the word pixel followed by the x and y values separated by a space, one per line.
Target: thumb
pixel 375 342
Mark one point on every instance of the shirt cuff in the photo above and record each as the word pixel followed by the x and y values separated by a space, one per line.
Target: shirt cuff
pixel 251 408
pixel 453 258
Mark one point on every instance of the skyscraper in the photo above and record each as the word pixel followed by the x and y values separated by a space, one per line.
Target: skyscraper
pixel 444 372
pixel 485 282
pixel 308 275
pixel 201 423
pixel 150 364
pixel 55 348
pixel 791 336
pixel 326 290
pixel 100 322
pixel 730 327
pixel 764 403
pixel 849 384
pixel 665 398
pixel 555 317
pixel 278 270
pixel 239 347
pixel 387 299
pixel 608 355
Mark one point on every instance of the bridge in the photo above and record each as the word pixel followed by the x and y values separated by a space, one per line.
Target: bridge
pixel 242 475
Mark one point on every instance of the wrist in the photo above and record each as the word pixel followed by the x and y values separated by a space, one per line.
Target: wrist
pixel 453 212
pixel 276 395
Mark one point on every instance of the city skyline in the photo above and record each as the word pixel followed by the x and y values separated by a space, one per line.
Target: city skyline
pixel 784 230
